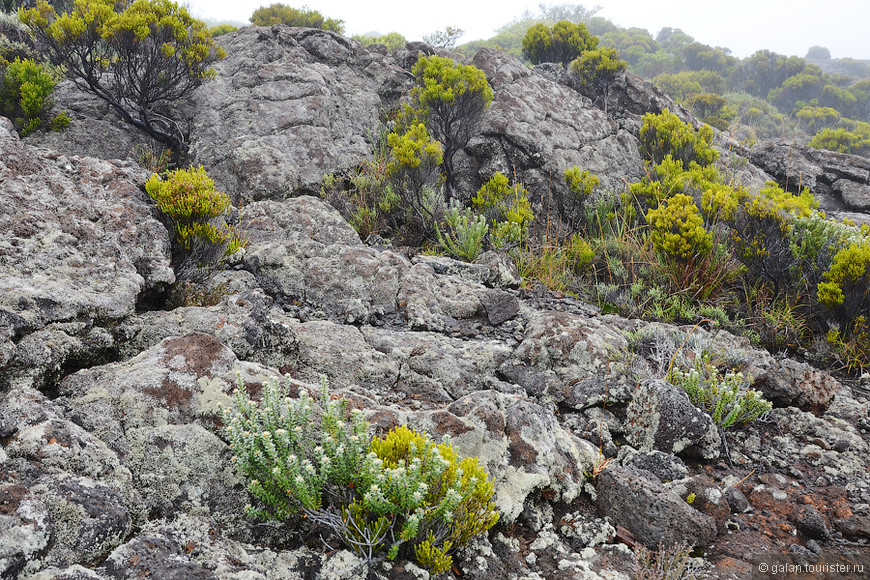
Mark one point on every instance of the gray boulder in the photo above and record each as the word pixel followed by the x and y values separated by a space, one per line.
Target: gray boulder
pixel 536 128
pixel 520 444
pixel 575 347
pixel 839 180
pixel 653 514
pixel 660 416
pixel 302 252
pixel 794 384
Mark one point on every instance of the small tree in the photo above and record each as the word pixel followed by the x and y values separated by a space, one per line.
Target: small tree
pixel 414 171
pixel 563 42
pixel 446 38
pixel 283 14
pixel 452 98
pixel 139 59
pixel 599 69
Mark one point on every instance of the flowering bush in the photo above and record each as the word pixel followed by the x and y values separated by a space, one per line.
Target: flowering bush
pixel 399 492
pixel 726 397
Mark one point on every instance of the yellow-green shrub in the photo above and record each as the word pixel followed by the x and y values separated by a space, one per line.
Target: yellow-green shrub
pixel 677 228
pixel 847 282
pixel 665 134
pixel 508 209
pixel 24 94
pixel 194 209
pixel 763 234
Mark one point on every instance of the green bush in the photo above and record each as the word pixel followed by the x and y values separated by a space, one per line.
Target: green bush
pixel 60 121
pixel 392 40
pixel 665 134
pixel 846 288
pixel 842 140
pixel 677 228
pixel 563 42
pixel 580 184
pixel 763 236
pixel 507 202
pixel 508 210
pixel 398 495
pixel 25 94
pixel 283 14
pixel 726 398
pixel 195 212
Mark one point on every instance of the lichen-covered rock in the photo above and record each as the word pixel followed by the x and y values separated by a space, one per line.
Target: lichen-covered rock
pixel 665 466
pixel 652 513
pixel 159 414
pixel 90 519
pixel 660 416
pixel 520 444
pixel 302 252
pixel 81 246
pixel 39 436
pixel 430 362
pixel 25 528
pixel 574 347
pixel 795 384
pixel 249 323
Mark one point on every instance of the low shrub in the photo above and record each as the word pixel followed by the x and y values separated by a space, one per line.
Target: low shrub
pixel 463 234
pixel 507 209
pixel 725 397
pixel 665 134
pixel 195 212
pixel 677 229
pixel 401 494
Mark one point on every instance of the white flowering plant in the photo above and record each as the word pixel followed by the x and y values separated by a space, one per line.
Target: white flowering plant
pixel 378 496
pixel 726 397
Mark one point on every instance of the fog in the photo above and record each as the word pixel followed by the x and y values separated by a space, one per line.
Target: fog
pixel 744 26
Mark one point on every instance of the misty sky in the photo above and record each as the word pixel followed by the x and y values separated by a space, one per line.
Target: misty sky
pixel 785 26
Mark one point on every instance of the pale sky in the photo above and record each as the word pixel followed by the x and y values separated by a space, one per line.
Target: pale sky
pixel 785 26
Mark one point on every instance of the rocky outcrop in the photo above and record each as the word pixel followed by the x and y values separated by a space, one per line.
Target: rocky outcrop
pixel 653 514
pixel 536 128
pixel 838 180
pixel 288 106
pixel 81 247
